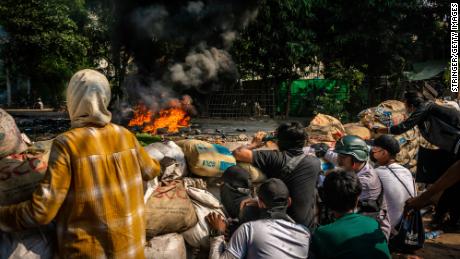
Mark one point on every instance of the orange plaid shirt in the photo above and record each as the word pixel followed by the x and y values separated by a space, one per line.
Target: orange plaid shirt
pixel 93 187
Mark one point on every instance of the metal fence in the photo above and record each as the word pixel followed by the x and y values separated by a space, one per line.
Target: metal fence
pixel 249 99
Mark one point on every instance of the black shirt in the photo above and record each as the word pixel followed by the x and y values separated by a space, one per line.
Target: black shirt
pixel 438 124
pixel 301 182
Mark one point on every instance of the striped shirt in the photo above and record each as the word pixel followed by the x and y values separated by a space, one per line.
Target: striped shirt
pixel 93 187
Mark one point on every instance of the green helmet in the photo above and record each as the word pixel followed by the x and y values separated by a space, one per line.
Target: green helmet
pixel 353 146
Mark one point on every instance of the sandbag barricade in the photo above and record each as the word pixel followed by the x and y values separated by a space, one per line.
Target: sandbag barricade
pixel 169 209
pixel 205 159
pixel 204 203
pixel 325 129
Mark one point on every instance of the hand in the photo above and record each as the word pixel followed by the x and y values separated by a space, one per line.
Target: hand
pixel 248 202
pixel 217 222
pixel 417 202
pixel 257 140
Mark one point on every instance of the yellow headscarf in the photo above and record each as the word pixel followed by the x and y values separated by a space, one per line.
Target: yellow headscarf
pixel 88 96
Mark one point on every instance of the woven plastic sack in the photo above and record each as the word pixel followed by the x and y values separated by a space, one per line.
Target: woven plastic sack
pixel 169 210
pixel 357 130
pixel 205 159
pixel 204 203
pixel 166 247
pixel 325 129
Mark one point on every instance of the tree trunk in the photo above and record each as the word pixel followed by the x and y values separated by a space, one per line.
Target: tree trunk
pixel 8 87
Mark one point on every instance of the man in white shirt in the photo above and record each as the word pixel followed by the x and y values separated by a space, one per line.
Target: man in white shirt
pixel 275 236
pixel 397 181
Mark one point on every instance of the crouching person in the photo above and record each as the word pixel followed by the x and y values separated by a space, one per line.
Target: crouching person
pixel 275 235
pixel 352 235
pixel 93 184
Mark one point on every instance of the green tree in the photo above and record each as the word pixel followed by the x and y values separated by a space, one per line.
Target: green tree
pixel 45 45
pixel 279 44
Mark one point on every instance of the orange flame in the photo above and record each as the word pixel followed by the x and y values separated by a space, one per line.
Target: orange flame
pixel 172 119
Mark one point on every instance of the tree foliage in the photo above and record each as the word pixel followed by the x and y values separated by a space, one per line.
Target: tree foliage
pixel 44 42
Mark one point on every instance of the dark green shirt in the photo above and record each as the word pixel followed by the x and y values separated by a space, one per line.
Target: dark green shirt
pixel 351 236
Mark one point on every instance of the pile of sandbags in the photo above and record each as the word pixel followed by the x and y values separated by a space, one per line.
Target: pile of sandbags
pixel 325 129
pixel 387 114
pixel 176 206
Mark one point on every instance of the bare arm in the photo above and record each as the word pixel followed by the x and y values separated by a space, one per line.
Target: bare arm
pixel 448 179
pixel 244 153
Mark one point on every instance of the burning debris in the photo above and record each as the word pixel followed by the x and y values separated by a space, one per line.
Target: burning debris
pixel 171 119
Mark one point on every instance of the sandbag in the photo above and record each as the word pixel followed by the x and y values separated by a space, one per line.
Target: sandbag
pixel 255 174
pixel 166 247
pixel 206 159
pixel 169 210
pixel 11 141
pixel 409 144
pixel 391 112
pixel 19 176
pixel 326 129
pixel 386 114
pixel 160 150
pixel 36 243
pixel 357 130
pixel 204 203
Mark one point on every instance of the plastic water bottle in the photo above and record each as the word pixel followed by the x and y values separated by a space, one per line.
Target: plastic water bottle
pixel 433 234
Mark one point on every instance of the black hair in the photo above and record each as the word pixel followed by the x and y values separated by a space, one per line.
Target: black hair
pixel 414 98
pixel 388 143
pixel 341 190
pixel 291 135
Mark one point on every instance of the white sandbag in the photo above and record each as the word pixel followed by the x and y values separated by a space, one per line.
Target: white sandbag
pixel 160 150
pixel 30 244
pixel 165 247
pixel 204 203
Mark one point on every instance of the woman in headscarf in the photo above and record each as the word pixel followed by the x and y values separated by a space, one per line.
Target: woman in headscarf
pixel 93 185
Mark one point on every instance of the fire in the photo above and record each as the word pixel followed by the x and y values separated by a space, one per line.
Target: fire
pixel 171 118
pixel 142 115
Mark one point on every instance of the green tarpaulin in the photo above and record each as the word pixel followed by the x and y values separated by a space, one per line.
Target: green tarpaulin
pixel 305 93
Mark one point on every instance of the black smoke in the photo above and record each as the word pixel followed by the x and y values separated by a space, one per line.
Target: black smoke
pixel 181 44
